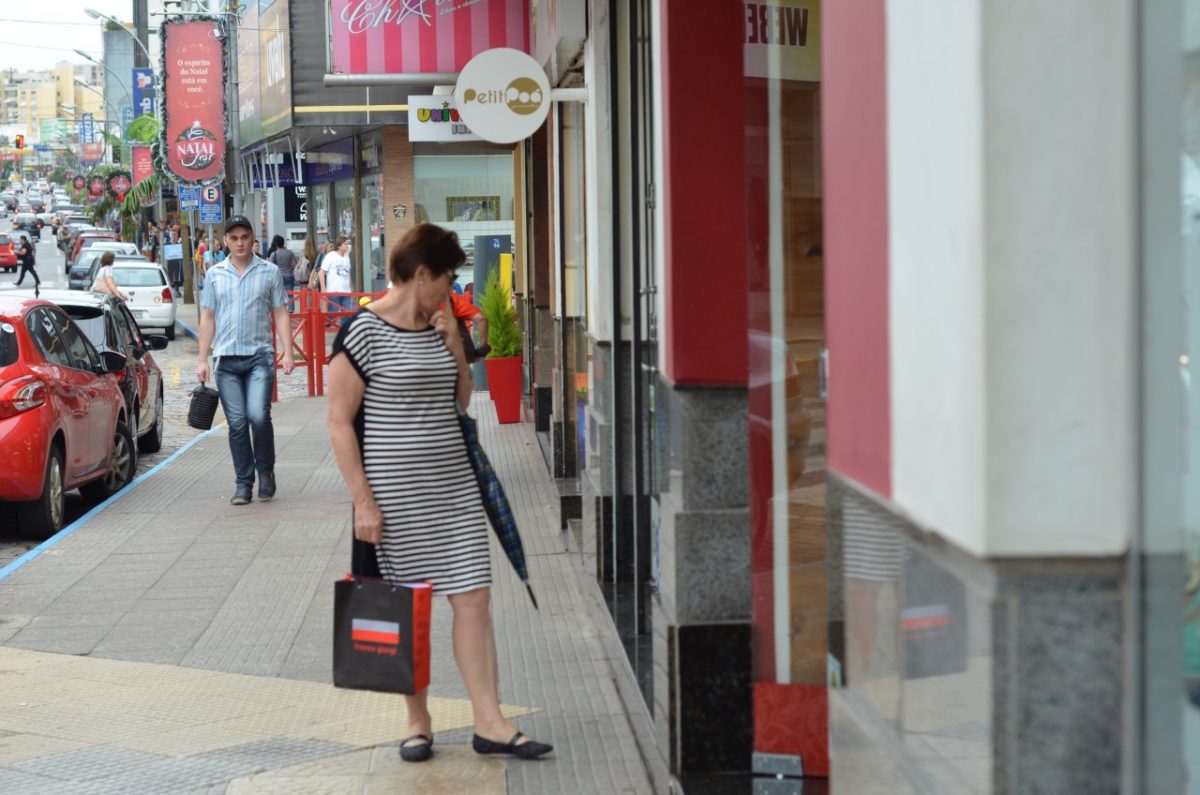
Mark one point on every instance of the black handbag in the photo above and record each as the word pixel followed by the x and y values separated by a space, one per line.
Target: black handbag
pixel 203 407
pixel 381 635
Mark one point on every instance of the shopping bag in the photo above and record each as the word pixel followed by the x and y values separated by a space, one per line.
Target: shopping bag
pixel 381 635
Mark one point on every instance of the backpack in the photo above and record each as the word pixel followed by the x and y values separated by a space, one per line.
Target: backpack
pixel 300 270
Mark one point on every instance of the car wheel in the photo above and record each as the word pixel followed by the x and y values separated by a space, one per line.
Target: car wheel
pixel 121 466
pixel 43 517
pixel 151 441
pixel 171 332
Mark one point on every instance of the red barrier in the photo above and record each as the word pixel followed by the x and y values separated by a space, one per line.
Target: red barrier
pixel 315 317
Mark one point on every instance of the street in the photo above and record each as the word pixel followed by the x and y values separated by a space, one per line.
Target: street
pixel 178 365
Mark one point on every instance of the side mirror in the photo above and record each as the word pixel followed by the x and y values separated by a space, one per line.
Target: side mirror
pixel 111 362
pixel 157 342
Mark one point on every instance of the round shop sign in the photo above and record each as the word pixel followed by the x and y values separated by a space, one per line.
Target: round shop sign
pixel 502 95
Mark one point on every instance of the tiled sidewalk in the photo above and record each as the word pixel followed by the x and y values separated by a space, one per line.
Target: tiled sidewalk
pixel 206 630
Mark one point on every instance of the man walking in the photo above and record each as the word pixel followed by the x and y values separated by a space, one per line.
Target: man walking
pixel 241 295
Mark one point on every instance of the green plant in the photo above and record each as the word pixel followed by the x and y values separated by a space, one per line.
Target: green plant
pixel 504 332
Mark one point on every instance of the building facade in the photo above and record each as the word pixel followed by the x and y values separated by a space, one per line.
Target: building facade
pixel 858 341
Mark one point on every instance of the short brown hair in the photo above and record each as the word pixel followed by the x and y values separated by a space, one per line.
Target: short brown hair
pixel 425 244
pixel 107 258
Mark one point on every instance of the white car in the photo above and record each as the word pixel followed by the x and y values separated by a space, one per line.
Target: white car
pixel 149 294
pixel 116 246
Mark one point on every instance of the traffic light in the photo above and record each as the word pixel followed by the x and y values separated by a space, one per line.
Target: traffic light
pixel 20 142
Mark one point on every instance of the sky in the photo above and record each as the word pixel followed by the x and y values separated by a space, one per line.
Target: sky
pixel 29 40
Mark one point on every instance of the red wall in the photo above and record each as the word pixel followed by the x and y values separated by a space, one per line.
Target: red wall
pixel 704 329
pixel 854 134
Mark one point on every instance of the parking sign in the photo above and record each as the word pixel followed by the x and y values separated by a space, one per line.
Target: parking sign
pixel 189 199
pixel 212 208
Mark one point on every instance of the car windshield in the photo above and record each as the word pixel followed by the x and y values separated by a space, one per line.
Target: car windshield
pixel 91 320
pixel 5 240
pixel 8 344
pixel 139 277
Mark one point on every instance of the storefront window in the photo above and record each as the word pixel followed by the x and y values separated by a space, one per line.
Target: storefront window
pixel 470 194
pixel 319 196
pixel 343 221
pixel 374 245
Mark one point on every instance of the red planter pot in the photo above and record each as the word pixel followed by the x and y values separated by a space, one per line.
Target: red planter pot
pixel 504 383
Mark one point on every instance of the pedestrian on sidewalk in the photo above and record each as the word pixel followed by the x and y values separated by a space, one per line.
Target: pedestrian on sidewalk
pixel 242 294
pixel 282 257
pixel 27 259
pixel 400 362
pixel 335 275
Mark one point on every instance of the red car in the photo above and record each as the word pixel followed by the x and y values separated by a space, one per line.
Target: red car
pixel 63 418
pixel 8 253
pixel 86 239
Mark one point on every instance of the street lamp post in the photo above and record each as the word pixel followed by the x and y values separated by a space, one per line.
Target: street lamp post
pixel 104 66
pixel 99 93
pixel 94 14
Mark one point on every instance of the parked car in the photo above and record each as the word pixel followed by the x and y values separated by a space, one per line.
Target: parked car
pixel 110 326
pixel 150 296
pixel 85 239
pixel 63 419
pixel 8 253
pixel 83 272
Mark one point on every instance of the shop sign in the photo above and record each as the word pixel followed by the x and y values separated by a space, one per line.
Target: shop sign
pixel 143 91
pixel 274 68
pixel 282 174
pixel 87 128
pixel 193 80
pixel 782 40
pixel 249 91
pixel 295 205
pixel 503 95
pixel 436 118
pixel 388 36
pixel 91 153
pixel 329 163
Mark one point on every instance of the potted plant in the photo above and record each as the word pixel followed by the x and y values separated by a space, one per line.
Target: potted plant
pixel 504 360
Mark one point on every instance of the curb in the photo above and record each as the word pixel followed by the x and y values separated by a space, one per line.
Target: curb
pixel 188 330
pixel 83 520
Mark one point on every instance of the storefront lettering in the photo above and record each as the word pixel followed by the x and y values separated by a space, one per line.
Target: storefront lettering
pixel 436 115
pixel 362 15
pixel 276 62
pixel 775 24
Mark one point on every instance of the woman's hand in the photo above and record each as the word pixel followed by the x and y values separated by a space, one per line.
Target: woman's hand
pixel 445 324
pixel 368 521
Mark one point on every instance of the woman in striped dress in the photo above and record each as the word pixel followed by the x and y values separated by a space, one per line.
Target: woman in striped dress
pixel 397 369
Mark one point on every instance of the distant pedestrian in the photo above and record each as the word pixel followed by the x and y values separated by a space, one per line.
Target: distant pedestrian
pixel 198 259
pixel 243 294
pixel 335 275
pixel 397 375
pixel 283 258
pixel 173 254
pixel 27 259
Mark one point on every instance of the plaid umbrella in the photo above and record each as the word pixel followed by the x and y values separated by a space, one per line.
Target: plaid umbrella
pixel 495 502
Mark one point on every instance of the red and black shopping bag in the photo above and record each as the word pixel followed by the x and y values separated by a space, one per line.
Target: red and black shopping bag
pixel 381 635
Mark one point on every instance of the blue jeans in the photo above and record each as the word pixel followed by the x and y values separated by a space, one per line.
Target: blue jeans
pixel 245 384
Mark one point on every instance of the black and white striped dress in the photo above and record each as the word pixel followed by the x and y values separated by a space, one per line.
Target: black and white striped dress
pixel 434 526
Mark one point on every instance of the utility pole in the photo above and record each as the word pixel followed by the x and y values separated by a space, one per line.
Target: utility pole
pixel 141 24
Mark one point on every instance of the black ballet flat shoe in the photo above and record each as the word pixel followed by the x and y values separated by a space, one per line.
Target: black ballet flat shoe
pixel 531 749
pixel 416 753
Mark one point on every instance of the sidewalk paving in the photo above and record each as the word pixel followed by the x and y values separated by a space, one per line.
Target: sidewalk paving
pixel 175 643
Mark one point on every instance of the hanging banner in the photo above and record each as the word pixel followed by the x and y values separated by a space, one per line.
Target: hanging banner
pixel 370 37
pixel 79 183
pixel 143 167
pixel 95 188
pixel 91 153
pixel 275 66
pixel 193 86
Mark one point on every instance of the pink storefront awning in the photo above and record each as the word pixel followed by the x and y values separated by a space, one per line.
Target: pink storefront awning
pixel 420 36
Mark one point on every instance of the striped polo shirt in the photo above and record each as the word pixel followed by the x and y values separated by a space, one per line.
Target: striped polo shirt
pixel 243 304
